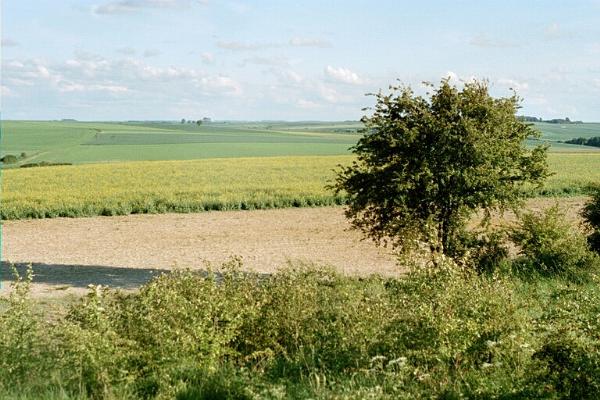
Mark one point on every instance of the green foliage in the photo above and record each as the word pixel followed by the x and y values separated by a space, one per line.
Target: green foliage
pixel 19 334
pixel 593 141
pixel 591 216
pixel 485 252
pixel 43 164
pixel 571 367
pixel 549 245
pixel 424 164
pixel 309 333
pixel 9 159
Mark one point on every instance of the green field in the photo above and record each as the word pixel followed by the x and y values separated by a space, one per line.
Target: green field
pixel 96 142
pixel 555 134
pixel 562 132
pixel 92 142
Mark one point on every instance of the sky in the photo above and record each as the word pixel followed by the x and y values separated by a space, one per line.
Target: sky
pixel 289 60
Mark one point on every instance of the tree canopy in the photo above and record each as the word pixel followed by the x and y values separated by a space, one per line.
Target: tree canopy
pixel 425 163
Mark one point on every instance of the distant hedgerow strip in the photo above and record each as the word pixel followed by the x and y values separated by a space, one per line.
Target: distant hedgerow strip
pixel 159 206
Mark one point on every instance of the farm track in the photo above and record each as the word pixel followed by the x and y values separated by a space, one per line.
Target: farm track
pixel 125 251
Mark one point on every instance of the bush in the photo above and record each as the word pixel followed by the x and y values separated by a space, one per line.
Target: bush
pixel 44 164
pixel 591 216
pixel 9 159
pixel 307 332
pixel 484 252
pixel 548 245
pixel 571 367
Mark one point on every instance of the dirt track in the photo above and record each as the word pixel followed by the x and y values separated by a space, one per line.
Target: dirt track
pixel 68 254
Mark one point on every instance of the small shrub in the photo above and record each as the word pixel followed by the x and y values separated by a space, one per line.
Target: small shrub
pixel 484 252
pixel 23 155
pixel 569 368
pixel 549 245
pixel 9 159
pixel 44 164
pixel 591 216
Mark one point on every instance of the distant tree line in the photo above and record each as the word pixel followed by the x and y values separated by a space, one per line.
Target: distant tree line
pixel 593 141
pixel 566 120
pixel 198 122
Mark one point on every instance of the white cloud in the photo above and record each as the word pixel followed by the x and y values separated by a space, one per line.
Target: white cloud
pixel 555 32
pixel 132 6
pixel 453 76
pixel 96 76
pixel 456 79
pixel 127 51
pixel 5 92
pixel 309 42
pixel 164 74
pixel 537 100
pixel 287 75
pixel 519 86
pixel 593 48
pixel 207 58
pixel 235 45
pixel 8 42
pixel 343 75
pixel 151 53
pixel 329 94
pixel 79 87
pixel 484 41
pixel 220 85
pixel 307 104
pixel 243 46
pixel 272 61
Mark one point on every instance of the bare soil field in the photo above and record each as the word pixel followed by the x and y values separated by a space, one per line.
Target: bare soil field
pixel 125 251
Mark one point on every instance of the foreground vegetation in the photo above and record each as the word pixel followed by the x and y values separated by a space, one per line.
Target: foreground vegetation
pixel 311 333
pixel 215 184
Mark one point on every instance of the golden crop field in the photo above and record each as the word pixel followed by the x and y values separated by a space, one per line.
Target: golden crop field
pixel 168 186
pixel 211 184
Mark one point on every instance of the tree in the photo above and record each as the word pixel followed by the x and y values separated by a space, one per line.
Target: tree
pixel 426 163
pixel 183 120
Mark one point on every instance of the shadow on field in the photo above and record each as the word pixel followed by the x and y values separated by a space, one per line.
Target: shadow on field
pixel 80 276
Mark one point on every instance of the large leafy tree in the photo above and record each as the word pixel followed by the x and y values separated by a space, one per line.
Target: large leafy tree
pixel 426 163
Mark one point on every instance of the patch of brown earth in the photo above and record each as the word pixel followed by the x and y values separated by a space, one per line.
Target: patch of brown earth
pixel 126 251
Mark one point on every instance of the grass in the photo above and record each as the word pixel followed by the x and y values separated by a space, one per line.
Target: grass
pixel 94 142
pixel 212 184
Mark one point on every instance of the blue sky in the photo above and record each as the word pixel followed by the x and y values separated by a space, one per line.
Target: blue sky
pixel 288 60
